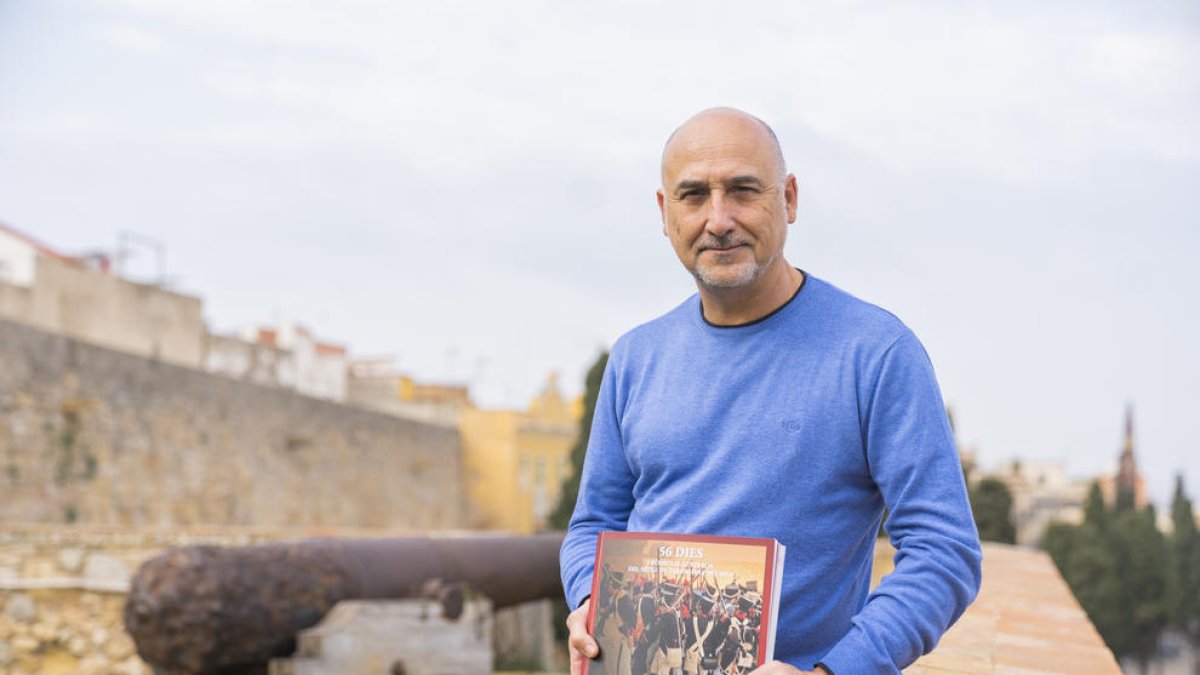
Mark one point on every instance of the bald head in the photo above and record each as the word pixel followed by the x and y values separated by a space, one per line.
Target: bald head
pixel 726 201
pixel 724 125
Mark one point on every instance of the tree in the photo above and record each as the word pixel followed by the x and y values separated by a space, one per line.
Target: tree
pixel 1125 499
pixel 1094 511
pixel 1180 579
pixel 1140 551
pixel 561 516
pixel 991 502
pixel 1059 541
pixel 1183 566
pixel 1092 573
pixel 1116 565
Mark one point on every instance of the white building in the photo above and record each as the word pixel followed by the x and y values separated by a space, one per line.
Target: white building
pixel 1042 493
pixel 289 357
pixel 79 298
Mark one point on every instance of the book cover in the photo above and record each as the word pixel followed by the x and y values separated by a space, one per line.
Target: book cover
pixel 676 604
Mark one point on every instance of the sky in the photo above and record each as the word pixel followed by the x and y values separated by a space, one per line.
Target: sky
pixel 468 187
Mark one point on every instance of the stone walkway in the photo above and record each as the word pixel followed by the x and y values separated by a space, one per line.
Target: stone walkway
pixel 1024 622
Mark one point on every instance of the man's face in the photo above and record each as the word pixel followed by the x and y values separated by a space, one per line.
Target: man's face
pixel 725 202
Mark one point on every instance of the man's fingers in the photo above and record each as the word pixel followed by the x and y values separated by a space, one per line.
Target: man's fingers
pixel 579 643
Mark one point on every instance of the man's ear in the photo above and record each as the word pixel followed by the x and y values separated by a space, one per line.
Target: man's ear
pixel 791 194
pixel 662 208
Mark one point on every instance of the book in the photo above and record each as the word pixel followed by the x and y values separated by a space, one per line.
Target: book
pixel 683 604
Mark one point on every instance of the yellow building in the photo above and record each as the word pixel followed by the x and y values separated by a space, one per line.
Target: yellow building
pixel 516 461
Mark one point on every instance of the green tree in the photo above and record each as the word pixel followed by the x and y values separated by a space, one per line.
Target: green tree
pixel 1094 511
pixel 1092 573
pixel 1125 500
pixel 1183 610
pixel 991 502
pixel 1140 551
pixel 1116 565
pixel 1059 541
pixel 561 516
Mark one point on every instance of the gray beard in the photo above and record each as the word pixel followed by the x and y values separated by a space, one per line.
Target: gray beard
pixel 748 274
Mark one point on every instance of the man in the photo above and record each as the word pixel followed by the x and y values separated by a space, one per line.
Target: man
pixel 773 404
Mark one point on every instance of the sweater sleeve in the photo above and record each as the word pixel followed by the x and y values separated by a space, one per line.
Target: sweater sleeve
pixel 913 459
pixel 605 494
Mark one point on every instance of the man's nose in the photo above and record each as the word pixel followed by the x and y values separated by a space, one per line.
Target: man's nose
pixel 720 214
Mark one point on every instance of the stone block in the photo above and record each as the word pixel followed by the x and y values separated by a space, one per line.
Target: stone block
pixel 58 662
pixel 23 644
pixel 395 636
pixel 39 568
pixel 131 666
pixel 6 653
pixel 43 631
pixel 106 571
pixel 118 648
pixel 93 665
pixel 71 560
pixel 524 636
pixel 20 608
pixel 90 601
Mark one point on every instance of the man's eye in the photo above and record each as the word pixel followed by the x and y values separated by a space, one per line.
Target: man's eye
pixel 692 196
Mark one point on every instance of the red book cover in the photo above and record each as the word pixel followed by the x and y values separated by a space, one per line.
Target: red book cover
pixel 683 604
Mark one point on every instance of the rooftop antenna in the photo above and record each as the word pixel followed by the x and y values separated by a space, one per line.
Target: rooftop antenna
pixel 127 239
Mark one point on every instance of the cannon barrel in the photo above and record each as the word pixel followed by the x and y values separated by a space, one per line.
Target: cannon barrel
pixel 229 610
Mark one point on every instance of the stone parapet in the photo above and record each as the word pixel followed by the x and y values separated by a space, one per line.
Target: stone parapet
pixel 1024 622
pixel 62 592
pixel 92 435
pixel 394 637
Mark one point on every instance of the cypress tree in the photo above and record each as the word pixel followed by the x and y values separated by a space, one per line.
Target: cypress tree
pixel 1116 565
pixel 991 503
pixel 1183 612
pixel 561 516
pixel 1094 511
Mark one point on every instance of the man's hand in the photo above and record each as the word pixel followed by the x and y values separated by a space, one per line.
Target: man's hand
pixel 580 645
pixel 781 668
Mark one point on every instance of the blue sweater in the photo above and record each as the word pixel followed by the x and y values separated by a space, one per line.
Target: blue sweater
pixel 801 426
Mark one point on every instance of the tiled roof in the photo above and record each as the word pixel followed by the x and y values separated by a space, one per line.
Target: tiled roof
pixel 41 248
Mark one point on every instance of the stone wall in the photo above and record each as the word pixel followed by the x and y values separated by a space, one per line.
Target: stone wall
pixel 63 588
pixel 62 591
pixel 91 435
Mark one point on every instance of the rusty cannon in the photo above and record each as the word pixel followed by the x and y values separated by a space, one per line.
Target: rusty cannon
pixel 206 609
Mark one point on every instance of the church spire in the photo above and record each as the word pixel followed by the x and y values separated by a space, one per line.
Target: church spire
pixel 1127 475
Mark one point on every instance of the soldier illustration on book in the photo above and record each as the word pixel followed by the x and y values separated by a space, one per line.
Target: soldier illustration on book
pixel 616 622
pixel 665 637
pixel 699 656
pixel 682 609
pixel 738 626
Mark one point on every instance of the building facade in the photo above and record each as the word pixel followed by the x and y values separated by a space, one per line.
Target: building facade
pixel 79 299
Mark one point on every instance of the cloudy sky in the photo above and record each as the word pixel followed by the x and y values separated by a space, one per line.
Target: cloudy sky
pixel 468 186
